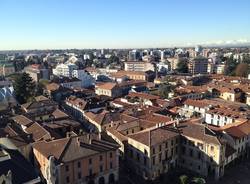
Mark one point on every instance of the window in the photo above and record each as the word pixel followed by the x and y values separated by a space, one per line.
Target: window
pixel 190 152
pixel 90 161
pixel 159 157
pixel 166 154
pixel 145 161
pixel 138 157
pixel 67 168
pixel 100 157
pixel 131 153
pixel 67 179
pixel 166 144
pixel 153 159
pixel 199 167
pixel 79 164
pixel 212 148
pixel 90 172
pixel 172 142
pixel 199 155
pixel 183 150
pixel 153 150
pixel 111 165
pixel 145 152
pixel 79 175
pixel 159 147
pixel 176 140
pixel 101 168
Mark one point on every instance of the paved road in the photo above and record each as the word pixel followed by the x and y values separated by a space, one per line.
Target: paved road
pixel 239 174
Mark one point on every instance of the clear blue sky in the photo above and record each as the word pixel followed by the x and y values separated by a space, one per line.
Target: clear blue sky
pixel 47 24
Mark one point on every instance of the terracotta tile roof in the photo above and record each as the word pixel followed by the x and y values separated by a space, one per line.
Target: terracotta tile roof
pixel 117 134
pixel 143 96
pixel 107 86
pixel 16 135
pixel 38 132
pixel 80 103
pixel 197 103
pixel 39 102
pixel 126 126
pixel 235 132
pixel 198 131
pixel 133 83
pixel 234 113
pixel 245 127
pixel 157 118
pixel 105 117
pixel 65 123
pixel 122 73
pixel 52 86
pixel 22 120
pixel 59 114
pixel 50 148
pixel 75 147
pixel 154 136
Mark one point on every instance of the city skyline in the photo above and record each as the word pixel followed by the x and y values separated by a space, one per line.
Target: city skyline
pixel 124 24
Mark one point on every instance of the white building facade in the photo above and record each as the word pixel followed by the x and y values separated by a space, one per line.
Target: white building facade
pixel 64 69
pixel 86 79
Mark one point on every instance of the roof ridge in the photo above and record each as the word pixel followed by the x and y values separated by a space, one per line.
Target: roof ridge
pixel 66 146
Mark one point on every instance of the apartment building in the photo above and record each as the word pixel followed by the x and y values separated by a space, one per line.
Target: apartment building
pixel 221 116
pixel 108 89
pixel 194 107
pixel 37 72
pixel 153 151
pixel 202 151
pixel 198 65
pixel 138 66
pixel 39 105
pixel 134 75
pixel 65 69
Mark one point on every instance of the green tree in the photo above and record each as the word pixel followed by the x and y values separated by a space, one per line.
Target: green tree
pixel 231 65
pixel 183 179
pixel 242 70
pixel 199 180
pixel 182 67
pixel 246 58
pixel 164 90
pixel 24 88
pixel 40 86
pixel 114 59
